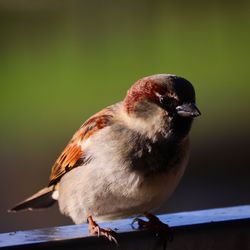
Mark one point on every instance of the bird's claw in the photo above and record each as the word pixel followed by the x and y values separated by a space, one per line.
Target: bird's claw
pixel 95 229
pixel 106 232
pixel 134 221
pixel 141 223
pixel 153 224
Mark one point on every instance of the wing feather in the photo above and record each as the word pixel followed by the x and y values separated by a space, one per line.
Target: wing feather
pixel 73 155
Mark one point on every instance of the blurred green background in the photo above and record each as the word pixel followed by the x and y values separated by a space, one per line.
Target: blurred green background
pixel 61 61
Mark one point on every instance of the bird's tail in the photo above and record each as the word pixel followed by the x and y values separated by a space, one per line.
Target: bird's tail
pixel 42 199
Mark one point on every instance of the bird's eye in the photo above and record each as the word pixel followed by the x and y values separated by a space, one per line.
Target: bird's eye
pixel 167 101
pixel 169 104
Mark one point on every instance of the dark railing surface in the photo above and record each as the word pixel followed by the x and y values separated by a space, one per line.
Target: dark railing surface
pixel 221 228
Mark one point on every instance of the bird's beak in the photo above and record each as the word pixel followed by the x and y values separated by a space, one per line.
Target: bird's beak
pixel 188 110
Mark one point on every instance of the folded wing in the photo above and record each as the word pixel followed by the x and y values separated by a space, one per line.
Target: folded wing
pixel 73 155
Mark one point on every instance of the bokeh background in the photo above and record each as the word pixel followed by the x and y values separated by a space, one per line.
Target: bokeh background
pixel 61 61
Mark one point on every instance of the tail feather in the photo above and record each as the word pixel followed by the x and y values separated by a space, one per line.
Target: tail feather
pixel 41 199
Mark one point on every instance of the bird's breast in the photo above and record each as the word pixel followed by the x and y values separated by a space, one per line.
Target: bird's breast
pixel 156 157
pixel 120 146
pixel 126 175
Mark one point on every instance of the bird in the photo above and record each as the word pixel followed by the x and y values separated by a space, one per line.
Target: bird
pixel 127 159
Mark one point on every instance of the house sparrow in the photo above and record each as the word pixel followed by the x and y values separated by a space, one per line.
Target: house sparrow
pixel 125 160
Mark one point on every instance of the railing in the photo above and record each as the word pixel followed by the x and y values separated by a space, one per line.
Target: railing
pixel 222 228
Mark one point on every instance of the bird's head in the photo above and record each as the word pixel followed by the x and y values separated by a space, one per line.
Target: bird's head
pixel 162 97
pixel 173 94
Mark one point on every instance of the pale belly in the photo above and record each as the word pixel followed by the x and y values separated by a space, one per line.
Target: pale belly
pixel 110 193
pixel 111 186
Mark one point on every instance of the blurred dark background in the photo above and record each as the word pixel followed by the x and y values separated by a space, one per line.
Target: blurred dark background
pixel 61 61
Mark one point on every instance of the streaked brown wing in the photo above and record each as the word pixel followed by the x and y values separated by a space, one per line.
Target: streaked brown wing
pixel 73 155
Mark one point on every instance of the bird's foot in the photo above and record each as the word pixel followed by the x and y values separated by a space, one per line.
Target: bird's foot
pixel 95 229
pixel 162 230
